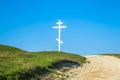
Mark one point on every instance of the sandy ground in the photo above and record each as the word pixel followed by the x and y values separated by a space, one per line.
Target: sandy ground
pixel 99 68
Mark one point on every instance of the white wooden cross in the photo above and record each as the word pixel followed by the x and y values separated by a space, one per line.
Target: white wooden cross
pixel 59 33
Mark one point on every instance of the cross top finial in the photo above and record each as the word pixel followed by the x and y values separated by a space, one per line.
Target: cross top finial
pixel 59 22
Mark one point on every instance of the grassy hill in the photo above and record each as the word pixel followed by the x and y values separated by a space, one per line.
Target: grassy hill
pixel 17 64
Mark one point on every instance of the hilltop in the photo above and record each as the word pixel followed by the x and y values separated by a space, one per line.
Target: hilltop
pixel 17 64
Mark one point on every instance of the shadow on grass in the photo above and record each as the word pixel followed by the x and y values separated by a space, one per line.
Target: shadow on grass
pixel 32 74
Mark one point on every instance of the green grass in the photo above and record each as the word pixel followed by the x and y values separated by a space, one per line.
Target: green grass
pixel 116 55
pixel 17 64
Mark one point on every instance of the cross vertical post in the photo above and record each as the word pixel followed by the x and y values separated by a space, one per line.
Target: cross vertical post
pixel 59 33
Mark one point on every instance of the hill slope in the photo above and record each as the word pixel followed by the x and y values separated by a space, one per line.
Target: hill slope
pixel 16 64
pixel 6 48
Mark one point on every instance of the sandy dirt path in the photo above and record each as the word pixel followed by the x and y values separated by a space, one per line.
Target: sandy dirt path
pixel 99 68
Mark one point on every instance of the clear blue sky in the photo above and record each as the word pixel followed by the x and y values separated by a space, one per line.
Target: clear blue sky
pixel 93 25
